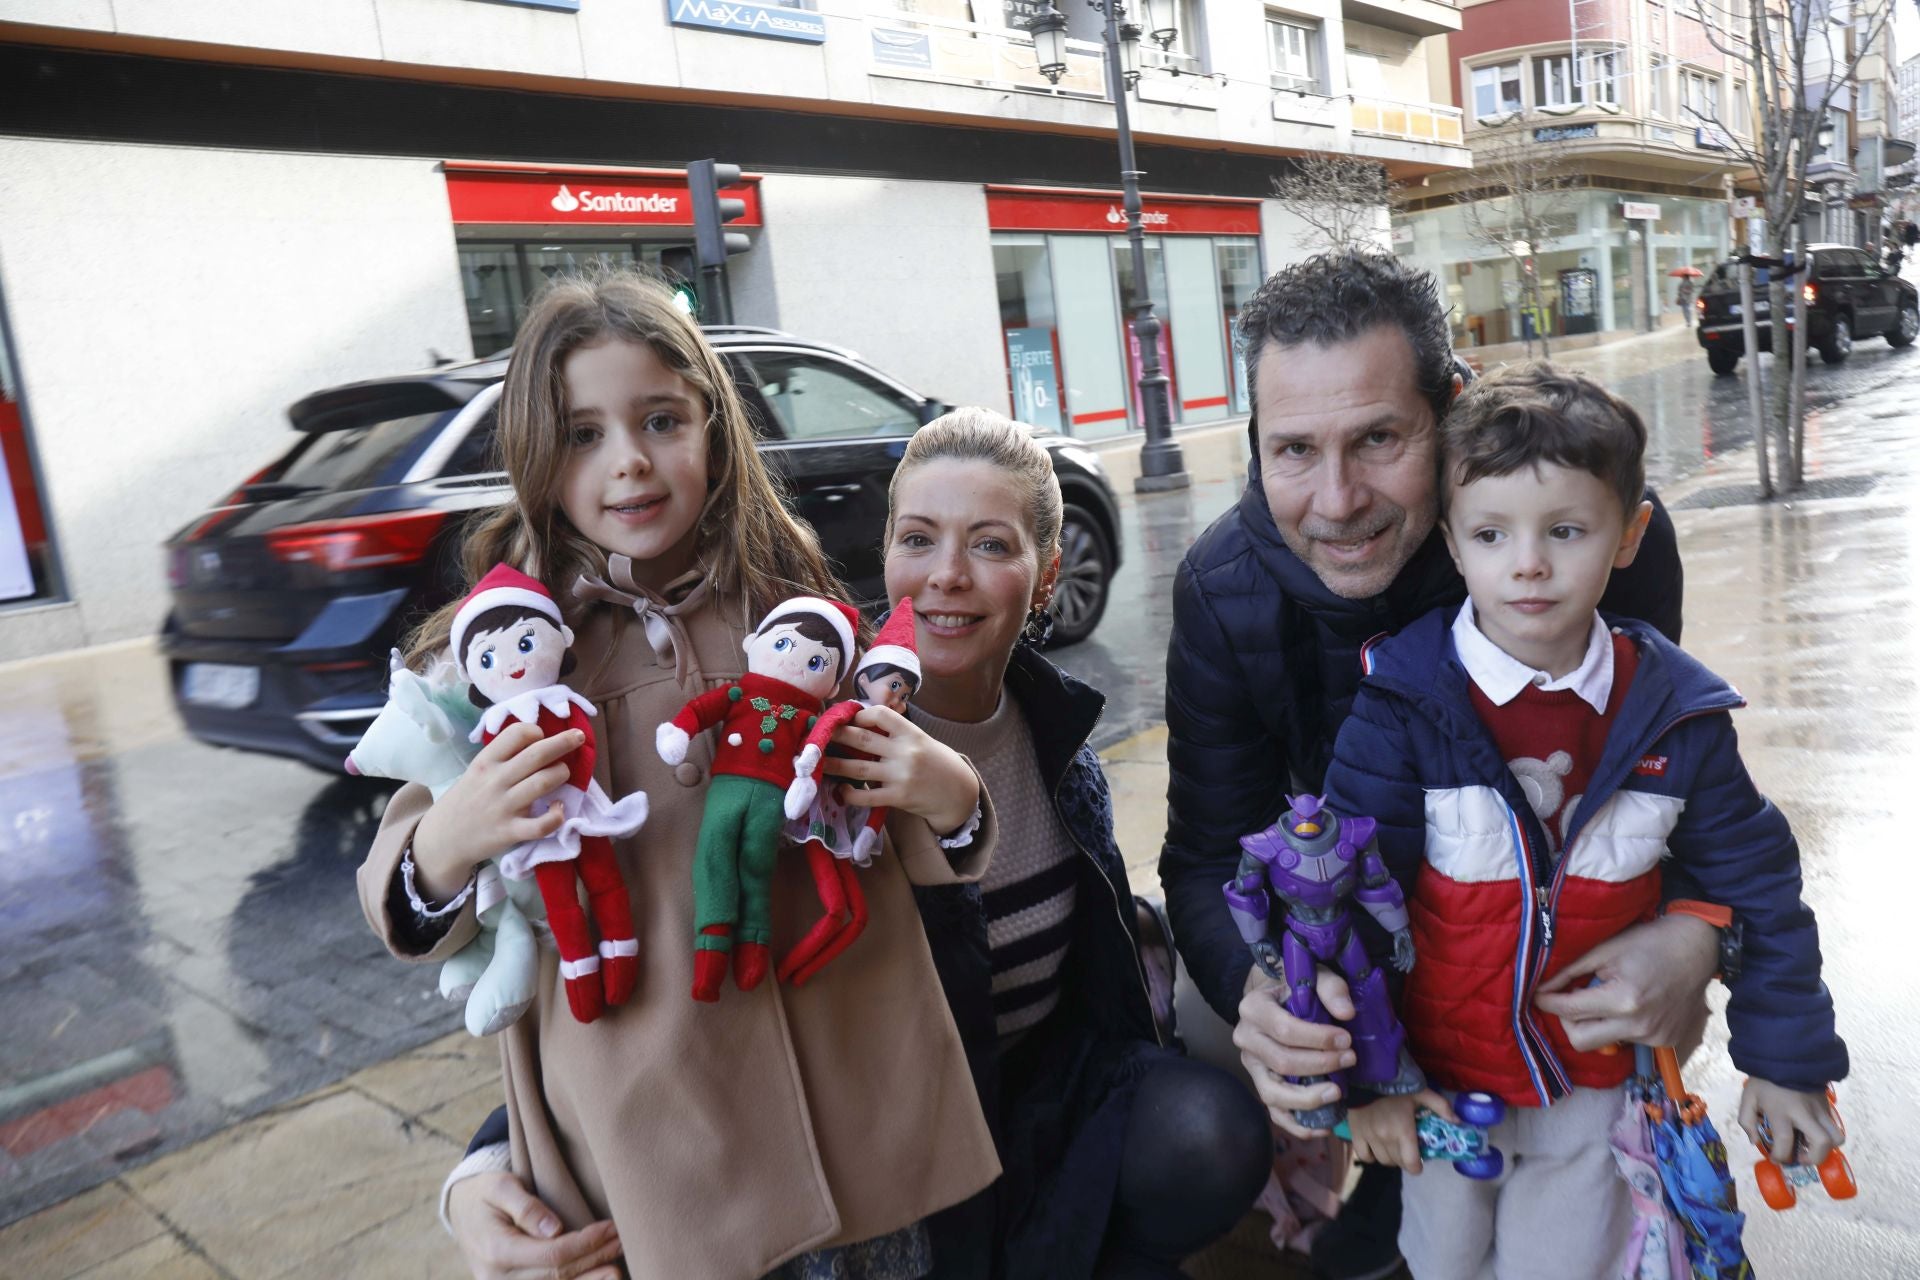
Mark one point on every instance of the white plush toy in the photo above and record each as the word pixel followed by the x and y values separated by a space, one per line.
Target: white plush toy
pixel 421 736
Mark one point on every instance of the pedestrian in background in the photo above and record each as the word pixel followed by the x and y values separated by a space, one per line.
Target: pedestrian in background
pixel 1683 298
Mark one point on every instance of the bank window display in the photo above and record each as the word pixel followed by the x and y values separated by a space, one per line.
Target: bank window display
pixel 501 278
pixel 1073 362
pixel 28 572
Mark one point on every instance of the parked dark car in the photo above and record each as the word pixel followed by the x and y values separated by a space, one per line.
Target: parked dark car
pixel 1845 296
pixel 289 593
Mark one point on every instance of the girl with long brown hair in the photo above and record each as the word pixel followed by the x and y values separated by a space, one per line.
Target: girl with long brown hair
pixel 720 1140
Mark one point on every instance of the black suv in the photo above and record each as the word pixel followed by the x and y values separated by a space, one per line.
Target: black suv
pixel 289 592
pixel 1846 296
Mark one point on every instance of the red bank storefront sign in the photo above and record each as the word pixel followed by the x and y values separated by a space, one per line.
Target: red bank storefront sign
pixel 519 194
pixel 1057 209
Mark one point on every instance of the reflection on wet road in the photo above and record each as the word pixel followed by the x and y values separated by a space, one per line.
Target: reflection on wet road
pixel 181 944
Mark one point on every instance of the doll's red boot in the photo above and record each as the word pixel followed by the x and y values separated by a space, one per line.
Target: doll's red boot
pixel 710 967
pixel 620 968
pixel 585 994
pixel 750 964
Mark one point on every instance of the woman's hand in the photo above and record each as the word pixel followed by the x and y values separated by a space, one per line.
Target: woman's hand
pixel 484 814
pixel 1384 1131
pixel 1801 1125
pixel 910 770
pixel 1651 987
pixel 1274 1044
pixel 506 1233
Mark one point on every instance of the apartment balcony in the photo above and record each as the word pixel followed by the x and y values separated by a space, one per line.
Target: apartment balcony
pixel 1410 17
pixel 1408 121
pixel 965 53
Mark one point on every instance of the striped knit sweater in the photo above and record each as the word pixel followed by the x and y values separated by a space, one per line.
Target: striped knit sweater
pixel 1029 886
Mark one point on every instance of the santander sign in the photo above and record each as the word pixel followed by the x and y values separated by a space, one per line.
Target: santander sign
pixel 565 201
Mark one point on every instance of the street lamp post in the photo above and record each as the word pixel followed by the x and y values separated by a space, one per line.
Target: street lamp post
pixel 1161 464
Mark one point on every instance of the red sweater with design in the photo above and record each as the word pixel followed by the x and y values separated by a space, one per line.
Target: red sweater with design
pixel 1459 999
pixel 764 723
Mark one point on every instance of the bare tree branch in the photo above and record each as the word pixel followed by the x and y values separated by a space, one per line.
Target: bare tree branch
pixel 1341 199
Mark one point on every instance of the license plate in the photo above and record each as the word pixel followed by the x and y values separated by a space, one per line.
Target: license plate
pixel 217 684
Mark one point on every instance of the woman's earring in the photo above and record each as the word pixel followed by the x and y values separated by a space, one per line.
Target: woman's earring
pixel 1039 628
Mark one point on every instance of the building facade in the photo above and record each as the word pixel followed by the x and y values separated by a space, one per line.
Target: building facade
pixel 212 210
pixel 1619 114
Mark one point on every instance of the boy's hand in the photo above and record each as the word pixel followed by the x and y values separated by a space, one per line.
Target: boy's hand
pixel 1383 1131
pixel 1794 1119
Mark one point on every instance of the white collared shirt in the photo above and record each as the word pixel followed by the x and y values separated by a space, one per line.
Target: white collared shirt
pixel 1501 676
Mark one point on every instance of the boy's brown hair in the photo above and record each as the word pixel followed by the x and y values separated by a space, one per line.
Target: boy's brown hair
pixel 1526 414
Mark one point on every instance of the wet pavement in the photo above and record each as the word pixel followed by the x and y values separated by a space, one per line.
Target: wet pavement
pixel 182 952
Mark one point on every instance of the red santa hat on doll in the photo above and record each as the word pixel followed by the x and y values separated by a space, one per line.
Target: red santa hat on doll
pixel 503 586
pixel 843 618
pixel 894 645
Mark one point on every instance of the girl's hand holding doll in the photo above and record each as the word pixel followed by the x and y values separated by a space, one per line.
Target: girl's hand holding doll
pixel 1383 1131
pixel 909 771
pixel 485 813
pixel 1794 1120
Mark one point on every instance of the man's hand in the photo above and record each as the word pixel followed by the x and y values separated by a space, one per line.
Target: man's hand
pixel 505 1232
pixel 1651 987
pixel 1274 1044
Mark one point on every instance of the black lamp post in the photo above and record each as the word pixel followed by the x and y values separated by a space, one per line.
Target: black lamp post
pixel 1161 464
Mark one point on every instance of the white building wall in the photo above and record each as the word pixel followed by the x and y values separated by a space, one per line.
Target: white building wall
pixel 167 304
pixel 902 272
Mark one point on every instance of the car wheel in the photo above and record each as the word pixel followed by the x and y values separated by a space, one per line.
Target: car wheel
pixel 1086 577
pixel 1722 362
pixel 1839 344
pixel 1907 329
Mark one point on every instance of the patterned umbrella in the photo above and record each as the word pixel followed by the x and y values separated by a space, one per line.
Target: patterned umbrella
pixel 1657 1250
pixel 1693 1170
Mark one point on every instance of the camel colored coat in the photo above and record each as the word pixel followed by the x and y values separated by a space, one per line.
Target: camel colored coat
pixel 724 1139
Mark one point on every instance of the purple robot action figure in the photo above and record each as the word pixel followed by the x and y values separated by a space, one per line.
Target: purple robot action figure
pixel 1313 861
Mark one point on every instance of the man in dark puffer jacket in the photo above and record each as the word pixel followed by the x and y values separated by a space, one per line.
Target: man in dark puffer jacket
pixel 1334 542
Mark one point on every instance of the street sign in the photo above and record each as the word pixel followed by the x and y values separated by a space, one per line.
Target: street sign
pixel 1639 211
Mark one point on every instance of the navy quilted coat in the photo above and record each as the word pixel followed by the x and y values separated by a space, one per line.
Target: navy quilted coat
pixel 1669 791
pixel 1262 668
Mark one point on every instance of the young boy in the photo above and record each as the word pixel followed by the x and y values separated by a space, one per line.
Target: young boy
pixel 1531 768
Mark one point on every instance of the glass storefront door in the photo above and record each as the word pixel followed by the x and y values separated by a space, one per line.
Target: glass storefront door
pixel 502 277
pixel 1157 286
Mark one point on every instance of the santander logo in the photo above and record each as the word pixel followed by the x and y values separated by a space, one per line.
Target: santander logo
pixel 566 201
pixel 1148 217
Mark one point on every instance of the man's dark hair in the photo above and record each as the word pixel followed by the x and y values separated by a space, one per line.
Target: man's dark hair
pixel 1335 297
pixel 815 628
pixel 1526 414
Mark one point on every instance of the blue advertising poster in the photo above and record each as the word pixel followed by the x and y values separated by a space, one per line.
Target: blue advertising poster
pixel 1036 397
pixel 911 49
pixel 749 18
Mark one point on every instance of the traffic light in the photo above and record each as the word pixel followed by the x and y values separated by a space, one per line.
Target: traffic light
pixel 712 211
pixel 712 242
pixel 678 265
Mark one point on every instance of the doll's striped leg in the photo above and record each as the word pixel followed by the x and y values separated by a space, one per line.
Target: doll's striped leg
pixel 856 902
pixel 826 881
pixel 759 851
pixel 613 916
pixel 579 963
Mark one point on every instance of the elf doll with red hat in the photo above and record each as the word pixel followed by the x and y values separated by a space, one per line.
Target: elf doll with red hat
pixel 795 660
pixel 836 834
pixel 509 641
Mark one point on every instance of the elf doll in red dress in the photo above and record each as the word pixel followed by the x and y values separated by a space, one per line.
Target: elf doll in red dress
pixel 795 660
pixel 826 821
pixel 512 646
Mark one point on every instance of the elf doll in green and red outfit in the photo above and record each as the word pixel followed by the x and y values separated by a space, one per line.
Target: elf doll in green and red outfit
pixel 795 660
